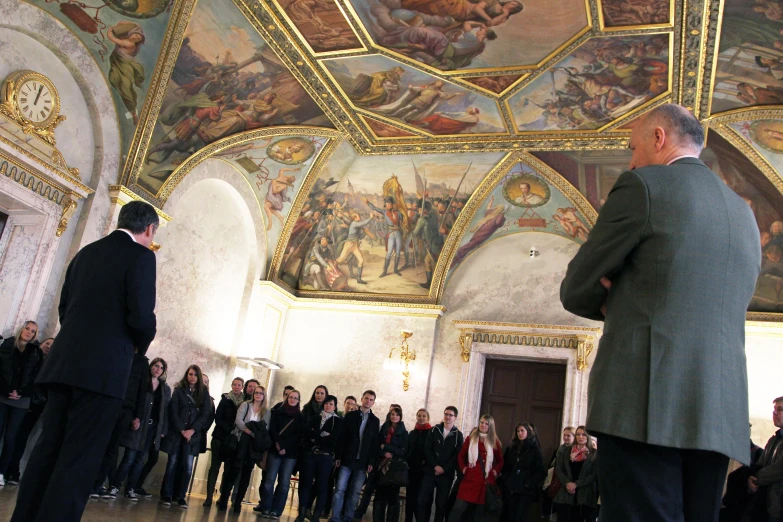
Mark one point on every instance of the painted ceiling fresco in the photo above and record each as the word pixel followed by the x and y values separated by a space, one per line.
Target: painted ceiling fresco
pixel 507 93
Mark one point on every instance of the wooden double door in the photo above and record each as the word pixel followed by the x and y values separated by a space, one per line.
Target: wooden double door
pixel 531 392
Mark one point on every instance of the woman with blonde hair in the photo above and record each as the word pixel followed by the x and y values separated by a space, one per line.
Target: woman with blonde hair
pixel 480 459
pixel 18 368
pixel 577 471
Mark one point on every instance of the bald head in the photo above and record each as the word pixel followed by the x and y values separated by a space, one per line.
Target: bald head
pixel 679 123
pixel 666 133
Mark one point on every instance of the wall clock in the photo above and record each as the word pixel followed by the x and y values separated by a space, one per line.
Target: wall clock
pixel 31 100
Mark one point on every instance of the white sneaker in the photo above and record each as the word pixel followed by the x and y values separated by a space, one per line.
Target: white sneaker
pixel 2 481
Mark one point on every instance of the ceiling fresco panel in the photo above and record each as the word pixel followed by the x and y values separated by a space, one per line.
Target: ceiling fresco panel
pixel 466 35
pixel 322 24
pixel 750 60
pixel 360 198
pixel 383 130
pixel 125 38
pixel 601 81
pixel 624 14
pixel 412 97
pixel 226 80
pixel 496 84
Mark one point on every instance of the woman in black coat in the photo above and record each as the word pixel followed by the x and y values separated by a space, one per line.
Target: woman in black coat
pixel 224 424
pixel 202 448
pixel 523 473
pixel 188 413
pixel 19 358
pixel 285 430
pixel 416 461
pixel 316 404
pixel 394 445
pixel 145 441
pixel 321 437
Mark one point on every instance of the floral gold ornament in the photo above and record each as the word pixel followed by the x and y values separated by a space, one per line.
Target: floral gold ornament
pixel 407 356
pixel 30 99
pixel 69 207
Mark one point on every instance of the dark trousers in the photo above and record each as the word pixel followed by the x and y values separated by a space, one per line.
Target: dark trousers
pixel 440 486
pixel 232 473
pixel 367 493
pixel 329 494
pixel 11 419
pixel 152 460
pixel 109 463
pixel 515 507
pixel 645 483
pixel 461 507
pixel 22 438
pixel 133 461
pixel 313 481
pixel 76 426
pixel 386 505
pixel 214 467
pixel 412 495
pixel 574 513
pixel 178 470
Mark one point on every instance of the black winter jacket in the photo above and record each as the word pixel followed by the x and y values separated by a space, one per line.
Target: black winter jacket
pixel 202 445
pixel 18 370
pixel 312 409
pixel 326 439
pixel 184 414
pixel 291 437
pixel 398 446
pixel 351 452
pixel 415 456
pixel 138 384
pixel 523 470
pixel 443 453
pixel 224 418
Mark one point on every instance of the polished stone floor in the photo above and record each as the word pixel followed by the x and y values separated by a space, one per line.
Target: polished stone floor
pixel 123 510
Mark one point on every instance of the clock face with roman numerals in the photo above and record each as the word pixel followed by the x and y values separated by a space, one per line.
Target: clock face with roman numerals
pixel 36 100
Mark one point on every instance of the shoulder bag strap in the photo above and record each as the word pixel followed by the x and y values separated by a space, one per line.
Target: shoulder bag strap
pixel 286 427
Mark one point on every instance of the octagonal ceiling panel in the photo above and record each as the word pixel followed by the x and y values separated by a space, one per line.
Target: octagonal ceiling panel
pixel 451 35
pixel 389 89
pixel 601 81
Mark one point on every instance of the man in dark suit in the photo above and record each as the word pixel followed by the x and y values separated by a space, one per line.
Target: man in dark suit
pixel 355 457
pixel 106 315
pixel 670 266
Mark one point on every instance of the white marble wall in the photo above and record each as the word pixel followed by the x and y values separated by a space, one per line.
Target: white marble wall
pixel 765 358
pixel 89 138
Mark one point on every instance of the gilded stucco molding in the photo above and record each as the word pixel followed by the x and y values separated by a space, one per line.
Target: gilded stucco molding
pixel 172 41
pixel 762 318
pixel 120 195
pixel 710 52
pixel 55 163
pixel 232 141
pixel 55 189
pixel 690 26
pixel 583 343
pixel 486 188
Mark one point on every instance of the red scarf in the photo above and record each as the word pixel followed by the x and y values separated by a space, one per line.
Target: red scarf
pixel 424 427
pixel 579 455
pixel 389 434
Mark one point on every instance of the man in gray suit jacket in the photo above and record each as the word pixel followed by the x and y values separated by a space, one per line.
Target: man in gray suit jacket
pixel 670 266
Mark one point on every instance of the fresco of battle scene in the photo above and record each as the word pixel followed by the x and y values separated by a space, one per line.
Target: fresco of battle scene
pixel 379 225
pixel 387 88
pixel 601 81
pixel 226 80
pixel 470 34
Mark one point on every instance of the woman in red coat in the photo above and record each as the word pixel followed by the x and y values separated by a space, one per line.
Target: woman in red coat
pixel 483 446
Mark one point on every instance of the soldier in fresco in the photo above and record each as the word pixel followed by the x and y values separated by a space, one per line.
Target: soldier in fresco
pixel 393 219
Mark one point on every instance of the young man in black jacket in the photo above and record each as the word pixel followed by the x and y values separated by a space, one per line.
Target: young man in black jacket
pixel 356 456
pixel 440 452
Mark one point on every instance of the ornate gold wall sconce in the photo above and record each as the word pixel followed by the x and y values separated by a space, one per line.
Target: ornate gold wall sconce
pixel 407 356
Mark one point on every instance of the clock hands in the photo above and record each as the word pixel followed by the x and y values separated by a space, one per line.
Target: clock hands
pixel 38 96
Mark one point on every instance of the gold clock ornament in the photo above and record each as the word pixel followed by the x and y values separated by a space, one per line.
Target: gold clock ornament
pixel 30 99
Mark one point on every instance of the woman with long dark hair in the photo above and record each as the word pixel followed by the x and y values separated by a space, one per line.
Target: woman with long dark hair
pixel 316 404
pixel 188 413
pixel 145 441
pixel 480 459
pixel 576 469
pixel 285 430
pixel 416 462
pixel 394 445
pixel 19 357
pixel 321 437
pixel 523 473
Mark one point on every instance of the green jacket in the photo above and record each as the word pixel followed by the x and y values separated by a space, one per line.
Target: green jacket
pixel 586 483
pixel 683 253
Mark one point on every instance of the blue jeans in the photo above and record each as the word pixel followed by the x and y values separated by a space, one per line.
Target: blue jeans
pixel 133 461
pixel 356 478
pixel 10 421
pixel 277 468
pixel 178 470
pixel 314 475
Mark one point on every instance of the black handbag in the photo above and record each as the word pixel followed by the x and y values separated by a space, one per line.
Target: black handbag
pixel 493 498
pixel 229 447
pixel 393 473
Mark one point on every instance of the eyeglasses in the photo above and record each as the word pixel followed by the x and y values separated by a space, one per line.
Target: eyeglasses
pixel 449 415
